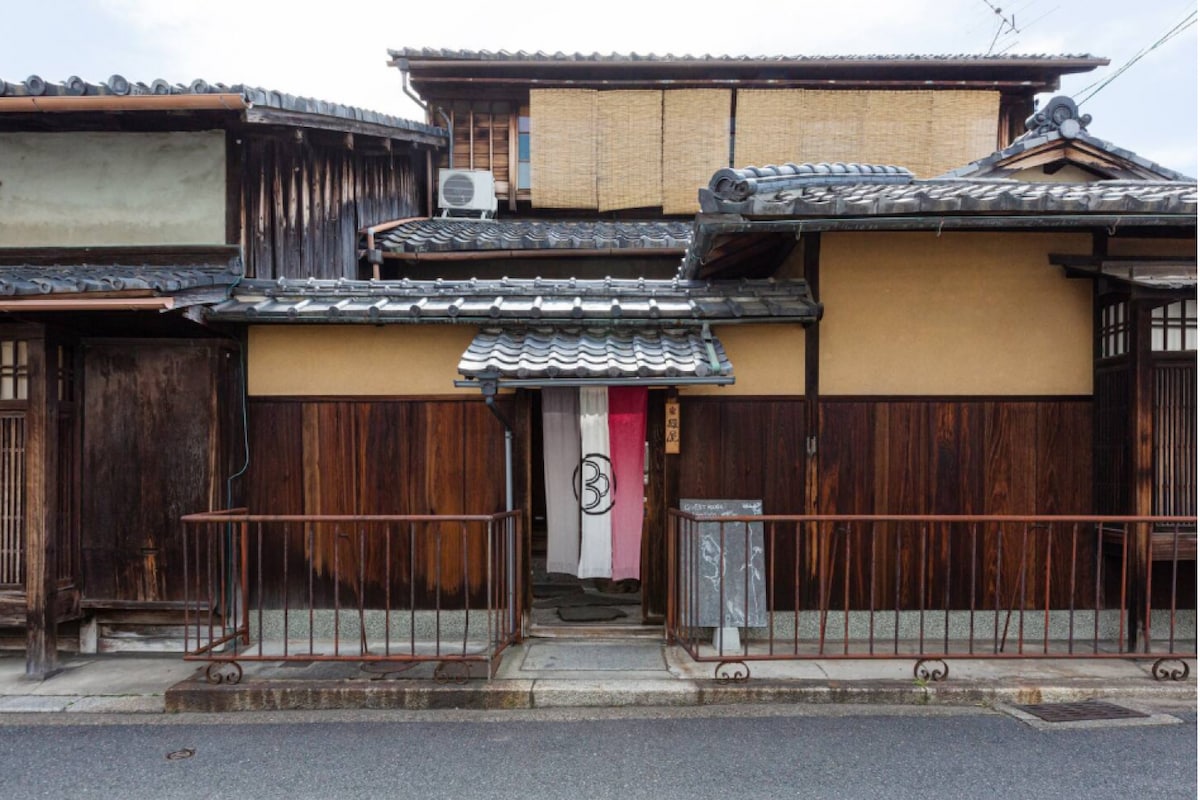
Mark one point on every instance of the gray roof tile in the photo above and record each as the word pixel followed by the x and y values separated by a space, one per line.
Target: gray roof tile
pixel 564 353
pixel 117 86
pixel 594 302
pixel 451 235
pixel 428 53
pixel 958 196
pixel 35 277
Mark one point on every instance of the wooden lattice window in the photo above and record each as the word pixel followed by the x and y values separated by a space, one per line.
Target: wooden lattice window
pixel 1114 329
pixel 12 499
pixel 14 369
pixel 1173 327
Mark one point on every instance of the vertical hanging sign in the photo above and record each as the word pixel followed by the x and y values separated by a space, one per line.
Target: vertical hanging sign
pixel 672 427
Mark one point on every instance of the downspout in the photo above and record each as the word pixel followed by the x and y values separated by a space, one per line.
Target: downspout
pixel 489 388
pixel 402 65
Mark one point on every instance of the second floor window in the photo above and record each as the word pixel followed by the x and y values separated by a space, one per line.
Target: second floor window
pixel 523 128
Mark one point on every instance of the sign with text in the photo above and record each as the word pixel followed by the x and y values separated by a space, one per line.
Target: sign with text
pixel 673 430
pixel 723 579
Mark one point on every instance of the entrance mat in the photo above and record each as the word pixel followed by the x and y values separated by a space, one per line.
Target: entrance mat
pixel 554 656
pixel 551 590
pixel 590 613
pixel 579 599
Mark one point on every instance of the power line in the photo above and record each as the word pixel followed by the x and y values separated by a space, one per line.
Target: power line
pixel 1175 30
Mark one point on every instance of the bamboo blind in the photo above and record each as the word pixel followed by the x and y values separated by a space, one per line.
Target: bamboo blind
pixel 929 132
pixel 629 149
pixel 695 133
pixel 563 148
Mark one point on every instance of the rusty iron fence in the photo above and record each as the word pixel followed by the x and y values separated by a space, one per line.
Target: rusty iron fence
pixel 384 591
pixel 931 588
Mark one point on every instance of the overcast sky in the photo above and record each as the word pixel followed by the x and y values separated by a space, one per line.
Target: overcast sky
pixel 338 50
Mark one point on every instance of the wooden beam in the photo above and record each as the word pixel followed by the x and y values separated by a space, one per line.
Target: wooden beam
pixel 41 484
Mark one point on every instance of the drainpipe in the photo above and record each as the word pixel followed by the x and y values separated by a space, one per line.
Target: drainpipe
pixel 489 388
pixel 402 65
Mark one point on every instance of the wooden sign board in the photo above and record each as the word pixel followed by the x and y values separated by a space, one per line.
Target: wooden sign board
pixel 673 429
pixel 729 587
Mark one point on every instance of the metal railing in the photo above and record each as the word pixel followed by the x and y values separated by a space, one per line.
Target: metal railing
pixel 931 588
pixel 360 588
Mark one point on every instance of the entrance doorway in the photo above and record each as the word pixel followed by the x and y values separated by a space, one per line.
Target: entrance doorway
pixel 563 603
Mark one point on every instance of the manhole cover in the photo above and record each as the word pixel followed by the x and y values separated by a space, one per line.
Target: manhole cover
pixel 1080 712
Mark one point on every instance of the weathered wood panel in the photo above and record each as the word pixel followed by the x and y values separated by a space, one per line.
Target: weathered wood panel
pixel 748 449
pixel 376 457
pixel 303 203
pixel 902 456
pixel 148 458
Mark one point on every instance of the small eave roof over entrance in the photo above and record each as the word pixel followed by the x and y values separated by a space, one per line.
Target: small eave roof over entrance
pixel 251 104
pixel 648 355
pixel 603 302
pixel 777 203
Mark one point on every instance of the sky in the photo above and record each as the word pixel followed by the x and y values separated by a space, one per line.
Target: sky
pixel 338 51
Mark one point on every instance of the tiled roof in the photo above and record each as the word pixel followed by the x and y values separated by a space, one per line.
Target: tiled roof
pixel 606 302
pixel 647 353
pixel 958 196
pixel 739 184
pixel 428 53
pixel 36 275
pixel 1060 121
pixel 252 96
pixel 450 235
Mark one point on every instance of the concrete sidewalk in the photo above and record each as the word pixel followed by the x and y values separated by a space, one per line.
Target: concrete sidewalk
pixel 560 673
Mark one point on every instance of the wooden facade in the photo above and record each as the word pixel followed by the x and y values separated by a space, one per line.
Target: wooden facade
pixel 377 456
pixel 300 204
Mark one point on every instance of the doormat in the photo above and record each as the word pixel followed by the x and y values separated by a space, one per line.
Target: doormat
pixel 578 599
pixel 589 613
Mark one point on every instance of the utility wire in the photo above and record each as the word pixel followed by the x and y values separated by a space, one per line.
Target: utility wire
pixel 1175 30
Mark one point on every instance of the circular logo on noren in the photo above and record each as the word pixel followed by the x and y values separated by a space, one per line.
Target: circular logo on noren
pixel 594 484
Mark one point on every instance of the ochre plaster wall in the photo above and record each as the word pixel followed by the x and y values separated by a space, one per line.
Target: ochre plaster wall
pixel 352 360
pixel 102 188
pixel 767 360
pixel 953 314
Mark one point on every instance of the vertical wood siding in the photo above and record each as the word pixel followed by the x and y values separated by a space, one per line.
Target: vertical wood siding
pixel 910 456
pixel 375 457
pixel 149 457
pixel 302 204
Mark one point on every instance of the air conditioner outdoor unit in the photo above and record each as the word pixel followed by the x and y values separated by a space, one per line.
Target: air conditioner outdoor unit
pixel 467 190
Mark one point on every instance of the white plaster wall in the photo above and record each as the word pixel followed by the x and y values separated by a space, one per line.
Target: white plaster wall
pixel 102 188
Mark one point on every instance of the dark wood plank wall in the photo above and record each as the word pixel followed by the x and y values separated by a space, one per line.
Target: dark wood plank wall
pixel 376 457
pixel 150 455
pixel 481 139
pixel 302 203
pixel 901 456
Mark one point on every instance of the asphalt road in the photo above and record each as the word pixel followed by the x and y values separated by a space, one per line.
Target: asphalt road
pixel 760 752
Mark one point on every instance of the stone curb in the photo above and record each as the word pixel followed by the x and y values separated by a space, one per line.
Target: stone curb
pixel 197 696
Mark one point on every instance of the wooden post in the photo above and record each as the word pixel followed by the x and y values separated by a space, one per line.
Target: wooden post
pixel 41 486
pixel 1142 466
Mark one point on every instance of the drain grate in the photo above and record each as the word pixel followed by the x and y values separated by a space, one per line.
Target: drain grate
pixel 1080 712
